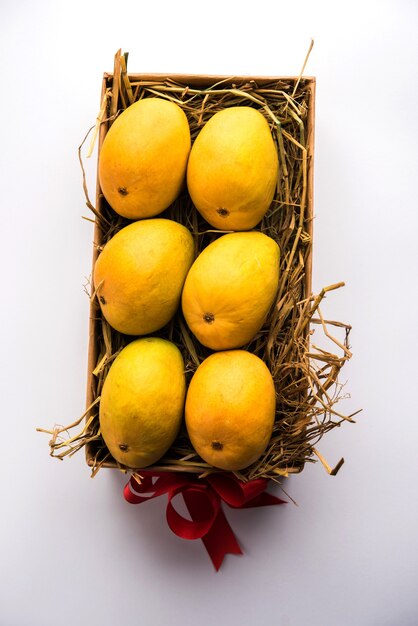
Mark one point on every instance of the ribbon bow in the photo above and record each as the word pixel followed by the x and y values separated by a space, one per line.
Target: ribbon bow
pixel 203 498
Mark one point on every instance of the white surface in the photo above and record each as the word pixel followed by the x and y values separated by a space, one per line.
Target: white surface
pixel 72 550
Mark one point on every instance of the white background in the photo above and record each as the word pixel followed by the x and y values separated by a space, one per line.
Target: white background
pixel 72 551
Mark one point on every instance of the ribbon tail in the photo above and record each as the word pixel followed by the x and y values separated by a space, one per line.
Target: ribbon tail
pixel 263 499
pixel 220 539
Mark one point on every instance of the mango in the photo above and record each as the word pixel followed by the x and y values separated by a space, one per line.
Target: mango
pixel 139 275
pixel 143 159
pixel 230 409
pixel 142 401
pixel 233 168
pixel 230 289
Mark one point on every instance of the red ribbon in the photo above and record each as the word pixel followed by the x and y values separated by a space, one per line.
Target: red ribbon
pixel 203 498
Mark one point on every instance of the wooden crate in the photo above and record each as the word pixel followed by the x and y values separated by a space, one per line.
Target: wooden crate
pixel 186 83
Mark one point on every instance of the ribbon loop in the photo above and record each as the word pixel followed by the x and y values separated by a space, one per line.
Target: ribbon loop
pixel 203 507
pixel 203 499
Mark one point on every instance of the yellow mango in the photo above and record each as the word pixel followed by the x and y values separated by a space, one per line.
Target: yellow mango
pixel 230 409
pixel 230 289
pixel 233 168
pixel 139 275
pixel 142 401
pixel 143 159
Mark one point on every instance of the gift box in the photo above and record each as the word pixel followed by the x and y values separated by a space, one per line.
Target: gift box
pixel 305 374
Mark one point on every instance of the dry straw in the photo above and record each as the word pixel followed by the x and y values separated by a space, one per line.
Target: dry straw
pixel 306 375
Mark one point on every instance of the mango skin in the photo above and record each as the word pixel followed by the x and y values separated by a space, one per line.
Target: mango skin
pixel 143 158
pixel 233 168
pixel 139 275
pixel 142 401
pixel 230 409
pixel 230 289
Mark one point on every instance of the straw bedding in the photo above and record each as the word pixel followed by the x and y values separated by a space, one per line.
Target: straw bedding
pixel 306 375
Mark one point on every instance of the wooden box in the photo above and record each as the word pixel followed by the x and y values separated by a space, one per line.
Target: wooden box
pixel 288 103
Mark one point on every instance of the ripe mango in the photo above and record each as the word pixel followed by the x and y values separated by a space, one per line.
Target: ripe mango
pixel 230 409
pixel 142 401
pixel 233 168
pixel 140 273
pixel 143 159
pixel 230 289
